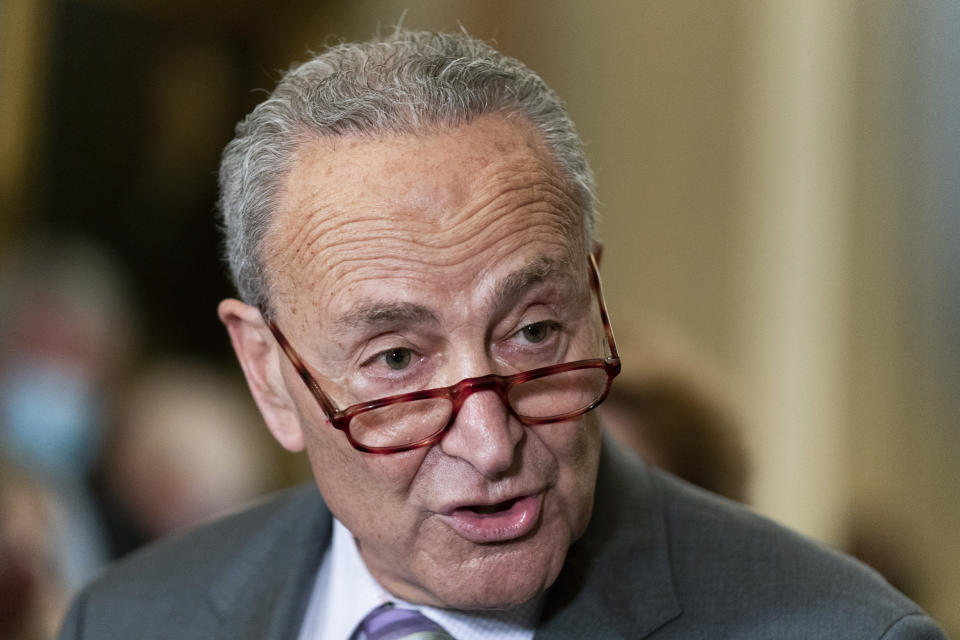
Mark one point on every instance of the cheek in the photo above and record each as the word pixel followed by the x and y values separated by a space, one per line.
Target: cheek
pixel 395 472
pixel 574 444
pixel 337 466
pixel 576 447
pixel 356 485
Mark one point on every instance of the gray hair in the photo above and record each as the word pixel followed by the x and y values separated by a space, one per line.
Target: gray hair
pixel 405 83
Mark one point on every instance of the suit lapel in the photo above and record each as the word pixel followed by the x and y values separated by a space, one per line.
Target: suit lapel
pixel 265 592
pixel 616 582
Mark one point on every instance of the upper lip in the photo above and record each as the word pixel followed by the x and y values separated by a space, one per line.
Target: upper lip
pixel 486 500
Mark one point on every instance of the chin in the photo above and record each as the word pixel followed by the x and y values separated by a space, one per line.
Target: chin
pixel 502 579
pixel 501 595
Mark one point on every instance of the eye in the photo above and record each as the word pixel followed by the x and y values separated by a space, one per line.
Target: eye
pixel 397 359
pixel 537 332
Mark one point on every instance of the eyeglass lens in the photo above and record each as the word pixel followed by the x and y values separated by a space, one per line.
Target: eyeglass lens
pixel 552 396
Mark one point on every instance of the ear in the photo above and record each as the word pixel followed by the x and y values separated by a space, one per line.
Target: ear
pixel 259 358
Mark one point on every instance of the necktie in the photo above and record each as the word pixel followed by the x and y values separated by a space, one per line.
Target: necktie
pixel 387 622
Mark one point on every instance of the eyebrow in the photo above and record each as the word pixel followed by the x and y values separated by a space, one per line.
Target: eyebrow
pixel 381 313
pixel 373 313
pixel 517 283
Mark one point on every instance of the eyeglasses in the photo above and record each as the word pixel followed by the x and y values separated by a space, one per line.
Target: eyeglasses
pixel 420 418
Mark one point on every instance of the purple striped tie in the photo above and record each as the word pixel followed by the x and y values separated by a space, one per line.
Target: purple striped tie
pixel 387 622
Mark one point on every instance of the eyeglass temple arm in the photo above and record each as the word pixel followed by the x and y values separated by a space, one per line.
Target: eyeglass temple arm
pixel 595 279
pixel 300 367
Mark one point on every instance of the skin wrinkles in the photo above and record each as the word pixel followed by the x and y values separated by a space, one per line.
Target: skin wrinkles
pixel 371 313
pixel 427 248
pixel 522 188
pixel 390 317
pixel 536 272
pixel 444 234
pixel 369 261
pixel 373 316
pixel 429 232
pixel 369 316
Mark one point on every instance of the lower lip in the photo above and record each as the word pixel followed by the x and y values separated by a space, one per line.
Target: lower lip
pixel 512 523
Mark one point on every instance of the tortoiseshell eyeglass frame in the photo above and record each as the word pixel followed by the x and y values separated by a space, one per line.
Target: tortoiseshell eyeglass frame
pixel 456 394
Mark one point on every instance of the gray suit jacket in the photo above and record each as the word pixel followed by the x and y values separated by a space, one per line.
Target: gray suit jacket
pixel 660 560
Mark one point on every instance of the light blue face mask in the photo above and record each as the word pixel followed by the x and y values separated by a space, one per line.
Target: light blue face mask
pixel 50 420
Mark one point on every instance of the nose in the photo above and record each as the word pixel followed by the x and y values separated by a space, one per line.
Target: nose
pixel 484 434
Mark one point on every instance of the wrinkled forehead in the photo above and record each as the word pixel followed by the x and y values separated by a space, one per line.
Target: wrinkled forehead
pixel 451 204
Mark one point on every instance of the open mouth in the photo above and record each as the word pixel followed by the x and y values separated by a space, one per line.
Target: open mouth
pixel 498 522
pixel 487 509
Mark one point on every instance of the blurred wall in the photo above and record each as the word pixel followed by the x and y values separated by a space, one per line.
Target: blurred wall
pixel 778 186
pixel 23 45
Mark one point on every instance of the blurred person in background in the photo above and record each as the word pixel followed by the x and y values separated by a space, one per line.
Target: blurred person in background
pixel 188 446
pixel 33 593
pixel 66 337
pixel 101 456
pixel 674 416
pixel 672 425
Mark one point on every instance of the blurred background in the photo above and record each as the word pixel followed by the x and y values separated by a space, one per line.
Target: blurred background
pixel 780 200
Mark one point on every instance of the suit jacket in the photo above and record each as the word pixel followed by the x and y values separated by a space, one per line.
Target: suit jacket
pixel 660 559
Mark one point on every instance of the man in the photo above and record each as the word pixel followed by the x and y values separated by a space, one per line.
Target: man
pixel 410 226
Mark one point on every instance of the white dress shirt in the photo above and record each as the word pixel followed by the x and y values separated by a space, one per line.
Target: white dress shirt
pixel 345 592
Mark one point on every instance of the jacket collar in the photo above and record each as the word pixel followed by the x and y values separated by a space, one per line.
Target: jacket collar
pixel 617 581
pixel 264 593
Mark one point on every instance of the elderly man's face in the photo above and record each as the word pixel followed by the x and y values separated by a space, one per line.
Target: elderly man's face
pixel 414 262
